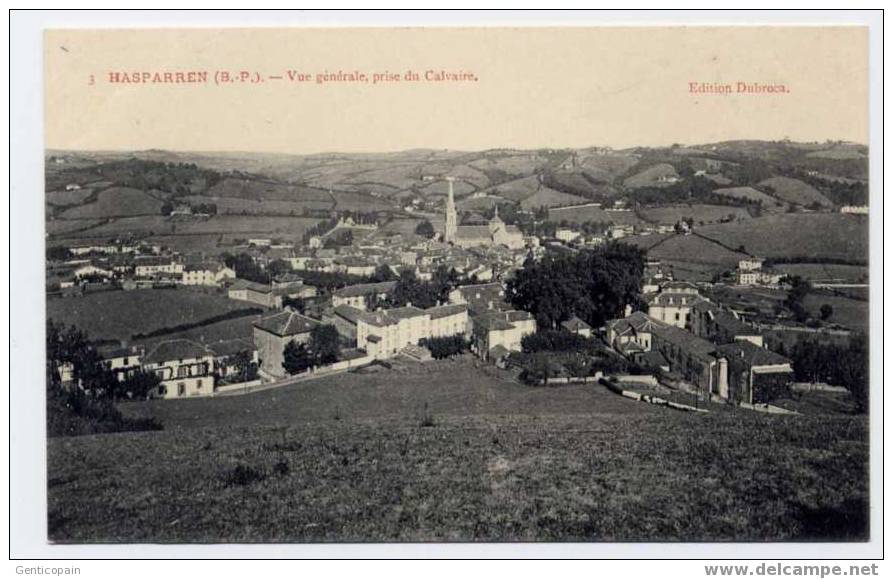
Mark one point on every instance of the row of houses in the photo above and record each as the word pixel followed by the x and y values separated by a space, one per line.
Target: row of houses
pixel 185 368
pixel 702 343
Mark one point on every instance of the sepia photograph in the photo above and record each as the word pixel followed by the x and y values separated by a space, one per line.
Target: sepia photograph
pixel 421 284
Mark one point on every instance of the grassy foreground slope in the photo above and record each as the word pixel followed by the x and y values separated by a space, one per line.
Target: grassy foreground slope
pixel 349 458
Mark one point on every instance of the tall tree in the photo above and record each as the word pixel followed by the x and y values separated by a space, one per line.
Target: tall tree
pixel 595 284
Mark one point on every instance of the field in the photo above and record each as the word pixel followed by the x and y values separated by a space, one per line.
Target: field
pixel 358 458
pixel 848 312
pixel 670 214
pixel 817 235
pixel 546 197
pixel 794 191
pixel 649 177
pixel 118 315
pixel 116 202
pixel 696 250
pixel 580 214
pixel 825 271
pixel 236 206
pixel 228 225
pixel 268 190
pixel 747 193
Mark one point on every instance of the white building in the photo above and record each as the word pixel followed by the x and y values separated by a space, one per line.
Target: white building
pixel 185 368
pixel 566 235
pixel 211 274
pixel 151 266
pixel 497 333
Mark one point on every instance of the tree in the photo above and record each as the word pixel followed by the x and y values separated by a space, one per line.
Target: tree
pixel 139 385
pixel 425 229
pixel 58 253
pixel 826 311
pixel 167 208
pixel 596 284
pixel 296 358
pixel 243 362
pixel 296 304
pixel 324 344
pixel 445 347
pixel 383 273
pixel 799 289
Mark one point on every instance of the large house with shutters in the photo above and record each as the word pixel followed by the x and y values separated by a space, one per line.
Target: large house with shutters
pixel 185 368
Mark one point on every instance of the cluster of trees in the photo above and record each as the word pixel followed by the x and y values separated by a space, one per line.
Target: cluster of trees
pixel 341 239
pixel 797 292
pixel 246 367
pixel 595 284
pixel 320 228
pixel 550 340
pixel 246 268
pixel 58 253
pixel 425 229
pixel 693 189
pixel 330 280
pixel 446 346
pixel 88 404
pixel 323 347
pixel 841 365
pixel 173 178
pixel 423 294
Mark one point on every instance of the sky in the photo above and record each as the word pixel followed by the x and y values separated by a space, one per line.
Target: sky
pixel 534 88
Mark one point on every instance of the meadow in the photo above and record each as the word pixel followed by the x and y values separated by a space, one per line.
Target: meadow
pixel 119 315
pixel 454 452
pixel 817 235
pixel 670 214
pixel 117 202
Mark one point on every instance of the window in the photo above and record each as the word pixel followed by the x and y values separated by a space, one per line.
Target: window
pixel 126 361
pixel 199 385
pixel 181 388
pixel 181 372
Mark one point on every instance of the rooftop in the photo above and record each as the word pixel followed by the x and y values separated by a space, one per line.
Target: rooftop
pixel 751 354
pixel 175 350
pixel 364 289
pixel 286 323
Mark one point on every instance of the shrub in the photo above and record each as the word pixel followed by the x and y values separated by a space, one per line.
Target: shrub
pixel 242 476
pixel 446 347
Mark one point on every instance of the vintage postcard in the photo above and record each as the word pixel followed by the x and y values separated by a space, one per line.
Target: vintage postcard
pixel 419 284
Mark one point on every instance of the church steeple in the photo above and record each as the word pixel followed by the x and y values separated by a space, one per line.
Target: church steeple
pixel 449 226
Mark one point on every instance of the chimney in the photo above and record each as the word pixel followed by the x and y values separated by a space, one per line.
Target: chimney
pixel 627 311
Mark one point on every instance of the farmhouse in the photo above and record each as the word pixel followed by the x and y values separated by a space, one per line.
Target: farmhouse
pixel 254 292
pixel 124 362
pixel 356 295
pixel 480 298
pixel 271 335
pixel 630 334
pixel 384 333
pixel 693 358
pixel 150 266
pixel 577 326
pixel 185 368
pixel 497 332
pixel 709 321
pixel 756 375
pixel 673 303
pixel 207 274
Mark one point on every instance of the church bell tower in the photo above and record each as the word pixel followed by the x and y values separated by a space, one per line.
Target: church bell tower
pixel 449 226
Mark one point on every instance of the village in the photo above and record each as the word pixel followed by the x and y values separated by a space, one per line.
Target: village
pixel 677 335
